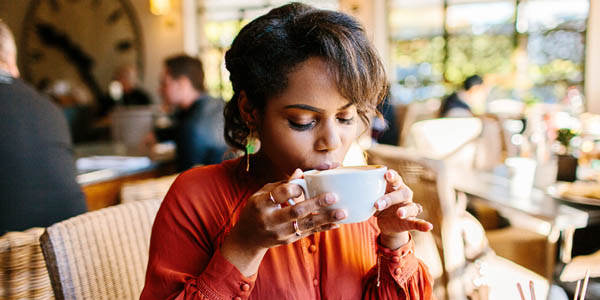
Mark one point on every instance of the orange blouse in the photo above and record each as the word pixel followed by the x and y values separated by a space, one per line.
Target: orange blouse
pixel 202 206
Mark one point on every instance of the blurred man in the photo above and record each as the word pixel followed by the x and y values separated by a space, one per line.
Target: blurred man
pixel 127 76
pixel 198 120
pixel 462 103
pixel 37 181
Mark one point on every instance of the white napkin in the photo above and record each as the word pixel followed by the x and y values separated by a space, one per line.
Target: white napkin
pixel 113 162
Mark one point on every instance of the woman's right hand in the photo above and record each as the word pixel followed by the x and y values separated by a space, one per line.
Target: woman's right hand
pixel 267 221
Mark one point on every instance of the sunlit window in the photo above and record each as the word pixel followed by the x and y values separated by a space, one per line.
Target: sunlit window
pixel 553 34
pixel 417 50
pixel 533 50
pixel 221 21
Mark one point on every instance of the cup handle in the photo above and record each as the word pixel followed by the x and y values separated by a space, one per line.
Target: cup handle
pixel 302 183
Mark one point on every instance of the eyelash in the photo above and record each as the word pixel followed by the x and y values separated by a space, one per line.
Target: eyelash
pixel 303 127
pixel 346 121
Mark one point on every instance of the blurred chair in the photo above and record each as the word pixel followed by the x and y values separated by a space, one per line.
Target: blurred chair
pixel 477 143
pixel 453 140
pixel 129 126
pixel 414 112
pixel 23 273
pixel 468 142
pixel 101 254
pixel 147 189
pixel 460 240
pixel 491 145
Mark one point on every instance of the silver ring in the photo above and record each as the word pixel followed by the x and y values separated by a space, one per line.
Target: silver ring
pixel 420 207
pixel 272 198
pixel 296 228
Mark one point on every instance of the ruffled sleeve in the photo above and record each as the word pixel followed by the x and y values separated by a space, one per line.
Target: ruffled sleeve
pixel 398 274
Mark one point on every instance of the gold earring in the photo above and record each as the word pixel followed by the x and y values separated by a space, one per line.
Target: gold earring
pixel 252 146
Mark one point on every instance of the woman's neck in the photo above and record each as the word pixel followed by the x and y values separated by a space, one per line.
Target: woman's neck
pixel 263 170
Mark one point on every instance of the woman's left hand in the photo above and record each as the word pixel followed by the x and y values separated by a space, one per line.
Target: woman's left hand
pixel 397 213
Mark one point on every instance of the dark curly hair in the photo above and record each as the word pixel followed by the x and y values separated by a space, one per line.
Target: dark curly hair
pixel 270 47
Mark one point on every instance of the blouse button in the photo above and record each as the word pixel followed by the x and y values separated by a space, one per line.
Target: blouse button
pixel 245 287
pixel 316 282
pixel 395 258
pixel 237 298
pixel 312 249
pixel 397 271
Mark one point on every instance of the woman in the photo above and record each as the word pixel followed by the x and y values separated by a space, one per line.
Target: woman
pixel 305 81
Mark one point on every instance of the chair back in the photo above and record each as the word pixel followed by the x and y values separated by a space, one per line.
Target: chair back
pixel 434 192
pixel 460 239
pixel 453 140
pixel 491 147
pixel 129 125
pixel 23 273
pixel 101 254
pixel 414 112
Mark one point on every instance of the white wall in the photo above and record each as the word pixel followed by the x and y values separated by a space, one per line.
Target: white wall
pixel 592 68
pixel 372 14
pixel 162 35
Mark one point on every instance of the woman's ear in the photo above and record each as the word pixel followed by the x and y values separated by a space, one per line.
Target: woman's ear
pixel 247 111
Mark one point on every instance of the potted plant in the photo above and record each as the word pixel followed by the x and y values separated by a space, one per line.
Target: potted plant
pixel 567 162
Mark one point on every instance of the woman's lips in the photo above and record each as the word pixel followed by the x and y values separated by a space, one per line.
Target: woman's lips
pixel 327 166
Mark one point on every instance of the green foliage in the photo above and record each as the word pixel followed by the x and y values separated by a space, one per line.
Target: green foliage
pixel 564 136
pixel 477 54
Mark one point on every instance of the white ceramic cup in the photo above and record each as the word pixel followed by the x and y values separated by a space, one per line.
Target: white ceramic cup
pixel 522 175
pixel 357 189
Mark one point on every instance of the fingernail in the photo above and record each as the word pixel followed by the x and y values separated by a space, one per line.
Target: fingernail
pixel 340 214
pixel 335 226
pixel 381 204
pixel 389 175
pixel 402 213
pixel 330 198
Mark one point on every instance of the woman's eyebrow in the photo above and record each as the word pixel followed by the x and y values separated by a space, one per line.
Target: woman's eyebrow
pixel 305 107
pixel 315 109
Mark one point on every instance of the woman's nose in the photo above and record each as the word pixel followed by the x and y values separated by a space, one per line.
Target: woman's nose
pixel 329 138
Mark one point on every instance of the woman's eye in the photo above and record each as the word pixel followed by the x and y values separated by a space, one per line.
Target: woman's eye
pixel 346 120
pixel 302 126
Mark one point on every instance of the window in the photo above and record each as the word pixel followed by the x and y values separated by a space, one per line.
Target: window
pixel 533 50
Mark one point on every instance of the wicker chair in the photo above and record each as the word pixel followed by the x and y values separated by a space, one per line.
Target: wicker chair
pixel 23 273
pixel 101 254
pixel 466 258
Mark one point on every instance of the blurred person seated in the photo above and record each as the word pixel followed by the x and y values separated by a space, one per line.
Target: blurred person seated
pixel 131 94
pixel 462 103
pixel 197 126
pixel 37 186
pixel 122 90
pixel 76 103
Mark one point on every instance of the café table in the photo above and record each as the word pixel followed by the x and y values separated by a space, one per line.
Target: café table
pixel 102 185
pixel 538 211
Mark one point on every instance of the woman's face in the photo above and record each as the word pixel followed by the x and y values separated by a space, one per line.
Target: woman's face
pixel 309 125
